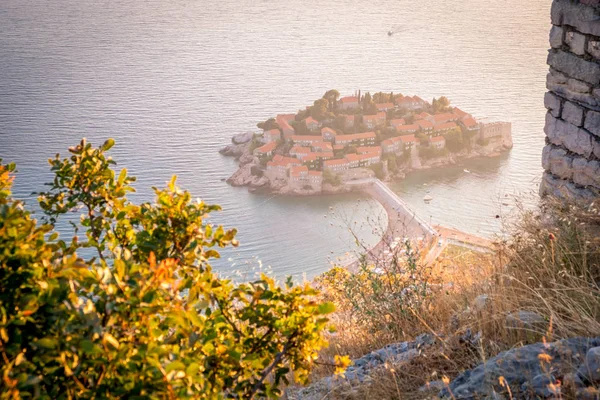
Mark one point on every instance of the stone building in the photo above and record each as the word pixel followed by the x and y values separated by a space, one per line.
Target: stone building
pixel 493 130
pixel 571 157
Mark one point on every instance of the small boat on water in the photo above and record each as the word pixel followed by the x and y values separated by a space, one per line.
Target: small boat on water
pixel 467 171
pixel 427 199
pixel 390 33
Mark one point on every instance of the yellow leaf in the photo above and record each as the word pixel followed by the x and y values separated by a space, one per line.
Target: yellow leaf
pixel 111 339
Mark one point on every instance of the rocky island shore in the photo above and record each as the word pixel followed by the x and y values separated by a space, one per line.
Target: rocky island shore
pixel 335 141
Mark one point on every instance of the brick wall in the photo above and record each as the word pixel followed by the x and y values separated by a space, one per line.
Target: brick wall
pixel 571 157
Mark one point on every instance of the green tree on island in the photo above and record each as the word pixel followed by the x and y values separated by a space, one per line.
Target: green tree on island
pixel 268 124
pixel 454 140
pixel 440 105
pixel 319 110
pixel 144 316
pixel 332 96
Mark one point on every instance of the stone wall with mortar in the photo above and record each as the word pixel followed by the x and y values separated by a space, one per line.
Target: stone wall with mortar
pixel 571 157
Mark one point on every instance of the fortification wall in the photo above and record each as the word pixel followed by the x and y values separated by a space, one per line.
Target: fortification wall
pixel 571 157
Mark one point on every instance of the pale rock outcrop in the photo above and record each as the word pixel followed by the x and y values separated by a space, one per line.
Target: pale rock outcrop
pixel 242 138
pixel 243 177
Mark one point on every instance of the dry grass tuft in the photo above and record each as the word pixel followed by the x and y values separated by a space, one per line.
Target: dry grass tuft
pixel 550 265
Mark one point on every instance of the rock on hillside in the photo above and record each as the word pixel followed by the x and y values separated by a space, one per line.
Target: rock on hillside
pixel 531 371
pixel 236 150
pixel 243 177
pixel 242 138
pixel 361 368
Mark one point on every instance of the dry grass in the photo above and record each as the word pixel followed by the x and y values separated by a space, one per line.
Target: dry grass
pixel 550 265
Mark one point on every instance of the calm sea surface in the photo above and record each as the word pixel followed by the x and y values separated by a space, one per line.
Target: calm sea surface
pixel 171 81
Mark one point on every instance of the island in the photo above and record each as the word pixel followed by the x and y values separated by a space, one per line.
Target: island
pixel 326 147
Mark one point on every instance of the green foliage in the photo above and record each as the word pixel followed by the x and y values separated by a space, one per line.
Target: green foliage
pixel 455 141
pixel 268 124
pixel 423 138
pixel 339 123
pixel 431 152
pixel 320 110
pixel 256 170
pixel 392 162
pixel 404 157
pixel 331 178
pixel 369 108
pixel 378 169
pixel 254 144
pixel 302 114
pixel 483 142
pixel 381 296
pixel 331 96
pixel 441 105
pixel 145 317
pixel 300 128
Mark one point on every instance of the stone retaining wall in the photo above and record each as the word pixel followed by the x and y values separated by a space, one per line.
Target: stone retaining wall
pixel 571 157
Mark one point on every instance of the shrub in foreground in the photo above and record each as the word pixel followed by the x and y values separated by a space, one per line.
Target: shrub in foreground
pixel 144 316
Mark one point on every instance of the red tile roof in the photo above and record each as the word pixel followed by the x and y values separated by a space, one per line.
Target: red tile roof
pixel 300 150
pixel 297 170
pixel 391 141
pixel 349 99
pixel 285 117
pixel 278 158
pixel 445 126
pixel 360 157
pixel 368 149
pixel 384 106
pixel 461 114
pixel 407 128
pixel 469 122
pixel 267 147
pixel 355 136
pixel 407 138
pixel 272 132
pixel 328 130
pixel 440 118
pixel 437 139
pixel 395 122
pixel 306 138
pixel 310 120
pixel 379 116
pixel 424 124
pixel 321 145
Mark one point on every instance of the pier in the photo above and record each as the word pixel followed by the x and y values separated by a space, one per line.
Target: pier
pixel 404 223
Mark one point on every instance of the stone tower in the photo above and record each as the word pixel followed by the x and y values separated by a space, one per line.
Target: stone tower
pixel 571 157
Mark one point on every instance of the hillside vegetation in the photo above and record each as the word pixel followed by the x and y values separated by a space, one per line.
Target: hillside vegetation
pixel 129 307
pixel 143 316
pixel 542 284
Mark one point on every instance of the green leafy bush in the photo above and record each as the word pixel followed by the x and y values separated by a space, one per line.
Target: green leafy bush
pixel 145 317
pixel 428 153
pixel 332 178
pixel 382 296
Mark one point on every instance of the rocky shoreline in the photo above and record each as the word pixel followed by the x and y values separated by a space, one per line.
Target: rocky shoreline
pixel 250 173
